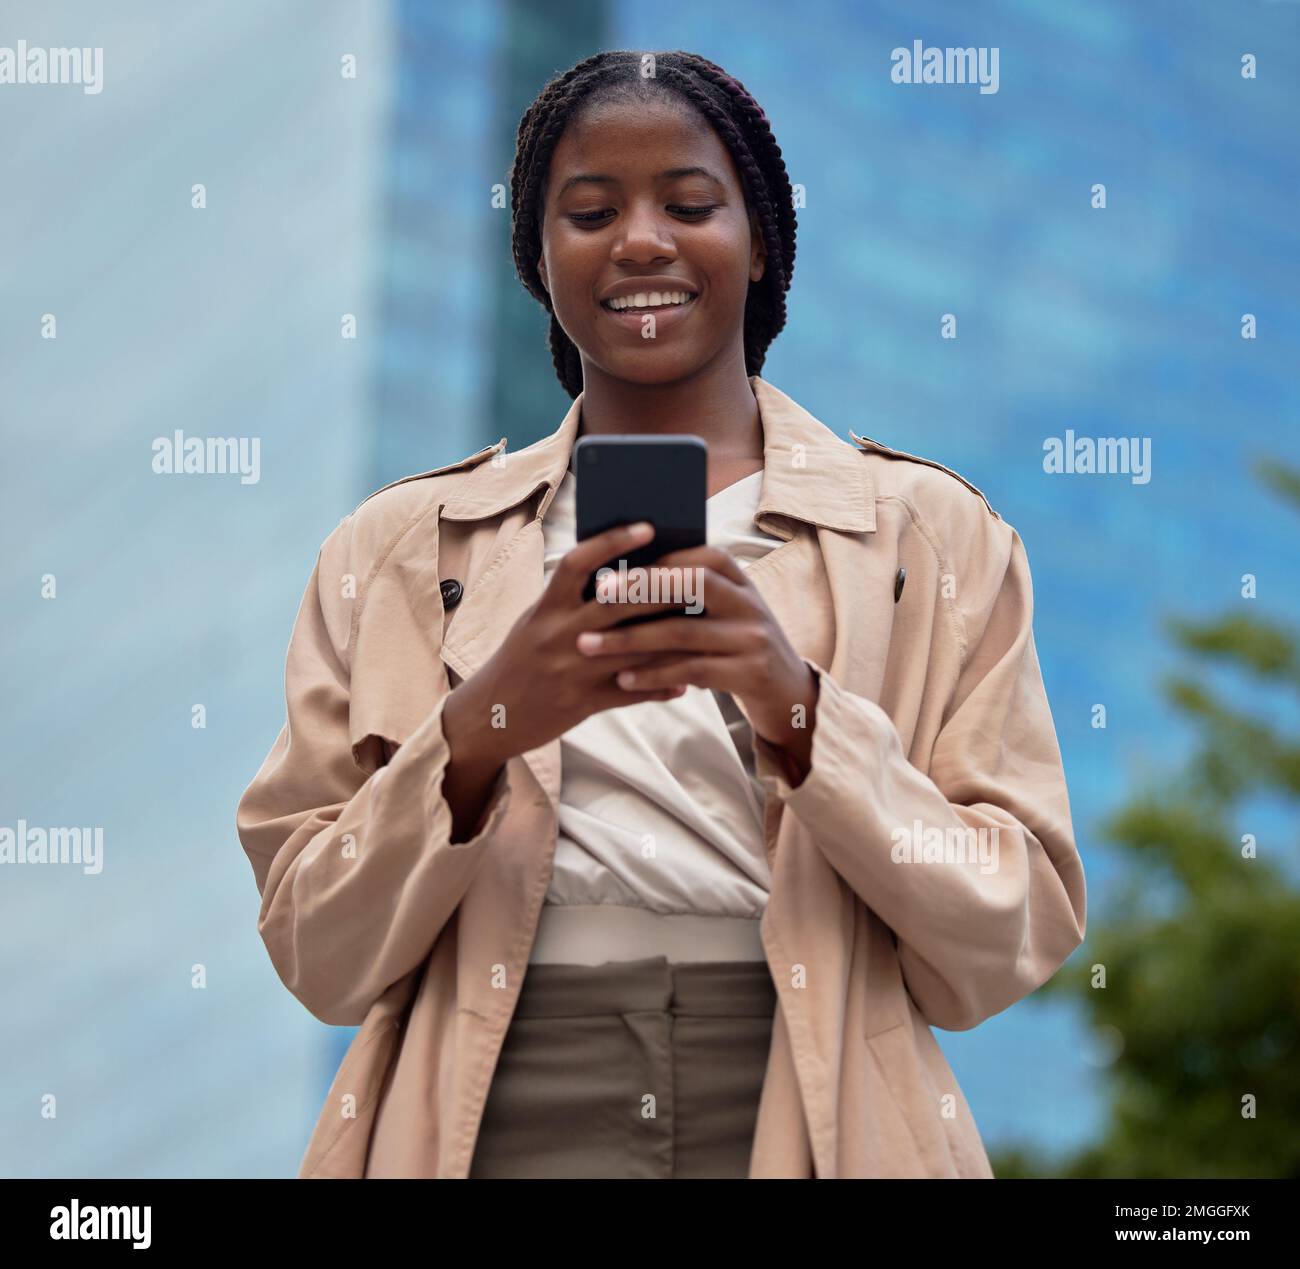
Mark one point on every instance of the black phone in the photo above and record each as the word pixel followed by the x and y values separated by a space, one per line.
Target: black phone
pixel 623 479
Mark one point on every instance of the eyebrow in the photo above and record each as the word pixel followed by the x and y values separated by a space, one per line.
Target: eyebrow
pixel 671 173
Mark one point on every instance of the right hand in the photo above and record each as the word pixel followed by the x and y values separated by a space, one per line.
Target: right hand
pixel 537 682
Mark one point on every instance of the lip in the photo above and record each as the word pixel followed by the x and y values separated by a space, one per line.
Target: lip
pixel 630 286
pixel 664 318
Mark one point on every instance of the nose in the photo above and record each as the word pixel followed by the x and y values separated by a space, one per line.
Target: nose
pixel 645 236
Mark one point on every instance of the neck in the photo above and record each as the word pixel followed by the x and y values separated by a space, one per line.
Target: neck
pixel 717 404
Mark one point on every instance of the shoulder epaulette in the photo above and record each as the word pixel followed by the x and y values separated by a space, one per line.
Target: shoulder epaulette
pixel 472 461
pixel 867 442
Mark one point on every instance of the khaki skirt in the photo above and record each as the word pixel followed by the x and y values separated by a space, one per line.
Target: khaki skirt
pixel 631 1069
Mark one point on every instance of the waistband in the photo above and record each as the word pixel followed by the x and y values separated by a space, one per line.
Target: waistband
pixel 593 933
pixel 714 989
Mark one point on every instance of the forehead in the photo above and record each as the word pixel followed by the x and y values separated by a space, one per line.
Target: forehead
pixel 633 141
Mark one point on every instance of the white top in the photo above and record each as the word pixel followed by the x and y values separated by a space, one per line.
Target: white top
pixel 660 848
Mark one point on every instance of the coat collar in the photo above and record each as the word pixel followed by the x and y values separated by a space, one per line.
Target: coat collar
pixel 809 473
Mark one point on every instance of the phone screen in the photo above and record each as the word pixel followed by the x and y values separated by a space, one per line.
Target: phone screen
pixel 622 479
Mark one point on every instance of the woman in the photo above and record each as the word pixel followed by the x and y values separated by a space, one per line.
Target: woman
pixel 683 898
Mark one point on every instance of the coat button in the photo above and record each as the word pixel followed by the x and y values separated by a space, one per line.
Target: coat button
pixel 452 590
pixel 898 583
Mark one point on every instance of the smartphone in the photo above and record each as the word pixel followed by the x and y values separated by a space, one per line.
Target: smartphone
pixel 663 479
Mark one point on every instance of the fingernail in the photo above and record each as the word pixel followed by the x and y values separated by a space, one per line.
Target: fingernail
pixel 627 678
pixel 588 642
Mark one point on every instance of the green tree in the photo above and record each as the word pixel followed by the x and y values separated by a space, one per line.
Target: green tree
pixel 1201 943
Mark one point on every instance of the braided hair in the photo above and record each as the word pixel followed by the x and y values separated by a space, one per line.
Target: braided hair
pixel 743 128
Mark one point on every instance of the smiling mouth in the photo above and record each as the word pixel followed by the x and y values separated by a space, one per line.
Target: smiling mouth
pixel 649 301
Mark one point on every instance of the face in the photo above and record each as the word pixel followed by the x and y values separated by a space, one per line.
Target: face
pixel 643 205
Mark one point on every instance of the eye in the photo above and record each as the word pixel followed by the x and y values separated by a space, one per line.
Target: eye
pixel 595 218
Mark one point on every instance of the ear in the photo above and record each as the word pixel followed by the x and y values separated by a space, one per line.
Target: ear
pixel 758 252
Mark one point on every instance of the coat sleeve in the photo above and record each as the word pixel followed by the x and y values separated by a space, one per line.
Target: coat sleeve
pixel 356 869
pixel 972 938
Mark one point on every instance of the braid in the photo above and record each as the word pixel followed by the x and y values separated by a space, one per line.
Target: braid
pixel 741 125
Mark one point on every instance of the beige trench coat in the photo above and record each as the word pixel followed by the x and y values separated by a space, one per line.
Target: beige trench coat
pixel 931 719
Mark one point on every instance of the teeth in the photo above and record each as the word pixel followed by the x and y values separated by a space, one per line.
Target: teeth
pixel 650 299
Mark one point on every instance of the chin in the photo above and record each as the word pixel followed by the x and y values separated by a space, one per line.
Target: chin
pixel 651 371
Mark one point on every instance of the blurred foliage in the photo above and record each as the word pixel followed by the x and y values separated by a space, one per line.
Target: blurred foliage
pixel 1200 945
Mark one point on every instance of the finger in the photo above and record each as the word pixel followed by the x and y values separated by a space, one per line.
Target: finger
pixel 700 585
pixel 619 697
pixel 717 673
pixel 700 590
pixel 599 614
pixel 577 564
pixel 603 669
pixel 672 634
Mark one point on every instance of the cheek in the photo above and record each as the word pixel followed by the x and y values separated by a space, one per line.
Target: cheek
pixel 725 258
pixel 574 266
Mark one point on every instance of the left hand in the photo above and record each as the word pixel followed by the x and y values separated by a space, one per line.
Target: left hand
pixel 736 645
